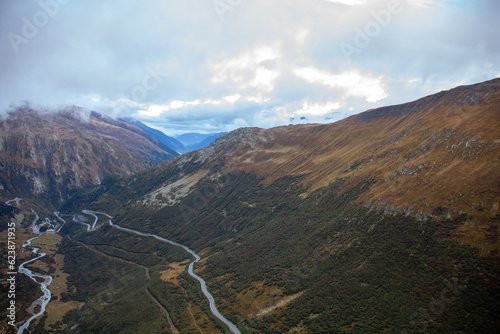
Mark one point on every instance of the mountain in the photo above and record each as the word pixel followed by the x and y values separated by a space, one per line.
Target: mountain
pixel 207 140
pixel 386 221
pixel 182 144
pixel 48 156
pixel 169 141
pixel 192 138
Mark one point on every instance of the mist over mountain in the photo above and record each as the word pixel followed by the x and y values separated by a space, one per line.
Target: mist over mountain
pixel 47 156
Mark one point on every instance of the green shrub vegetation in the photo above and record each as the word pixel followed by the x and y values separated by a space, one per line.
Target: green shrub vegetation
pixel 359 271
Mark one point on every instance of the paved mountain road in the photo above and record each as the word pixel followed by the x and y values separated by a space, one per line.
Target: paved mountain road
pixel 204 289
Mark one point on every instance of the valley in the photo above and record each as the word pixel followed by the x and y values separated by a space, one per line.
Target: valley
pixel 43 280
pixel 384 222
pixel 46 284
pixel 207 294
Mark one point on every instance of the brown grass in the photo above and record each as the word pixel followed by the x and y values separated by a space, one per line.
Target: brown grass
pixel 442 154
pixel 173 271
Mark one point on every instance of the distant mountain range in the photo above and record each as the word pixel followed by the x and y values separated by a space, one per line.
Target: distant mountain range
pixel 183 143
pixel 162 137
pixel 189 139
pixel 196 141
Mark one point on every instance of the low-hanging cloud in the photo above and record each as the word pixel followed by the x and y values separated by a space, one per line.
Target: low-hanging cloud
pixel 181 67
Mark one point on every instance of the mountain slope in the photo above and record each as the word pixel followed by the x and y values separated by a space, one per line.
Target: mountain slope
pixel 386 221
pixel 204 142
pixel 445 147
pixel 169 141
pixel 47 156
pixel 195 141
pixel 191 138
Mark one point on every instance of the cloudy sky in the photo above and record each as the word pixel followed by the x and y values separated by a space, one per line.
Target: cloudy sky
pixel 216 65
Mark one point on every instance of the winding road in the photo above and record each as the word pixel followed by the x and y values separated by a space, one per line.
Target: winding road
pixel 204 289
pixel 91 214
pixel 94 214
pixel 17 199
pixel 46 279
pixel 79 222
pixel 59 217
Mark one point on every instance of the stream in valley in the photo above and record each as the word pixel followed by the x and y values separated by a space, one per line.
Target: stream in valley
pixel 45 280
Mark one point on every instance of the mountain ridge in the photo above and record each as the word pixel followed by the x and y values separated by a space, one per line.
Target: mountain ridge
pixel 474 94
pixel 49 155
pixel 384 122
pixel 170 142
pixel 189 144
pixel 433 158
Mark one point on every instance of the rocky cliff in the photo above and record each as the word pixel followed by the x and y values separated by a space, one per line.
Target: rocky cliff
pixel 48 156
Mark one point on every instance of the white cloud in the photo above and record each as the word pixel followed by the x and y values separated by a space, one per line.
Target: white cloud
pixel 232 98
pixel 235 124
pixel 317 109
pixel 264 79
pixel 265 53
pixel 349 2
pixel 423 3
pixel 301 36
pixel 154 110
pixel 249 71
pixel 196 73
pixel 177 106
pixel 354 83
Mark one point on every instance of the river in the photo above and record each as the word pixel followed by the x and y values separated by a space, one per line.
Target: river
pixel 44 285
pixel 46 279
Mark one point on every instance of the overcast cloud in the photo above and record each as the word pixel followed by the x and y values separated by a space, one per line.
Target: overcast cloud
pixel 215 65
